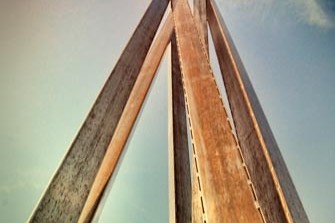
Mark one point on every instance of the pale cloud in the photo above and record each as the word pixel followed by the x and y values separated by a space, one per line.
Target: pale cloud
pixel 317 13
pixel 312 12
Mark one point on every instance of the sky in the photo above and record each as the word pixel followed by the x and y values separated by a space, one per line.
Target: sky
pixel 56 55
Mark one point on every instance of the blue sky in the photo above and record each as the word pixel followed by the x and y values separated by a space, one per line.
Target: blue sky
pixel 56 55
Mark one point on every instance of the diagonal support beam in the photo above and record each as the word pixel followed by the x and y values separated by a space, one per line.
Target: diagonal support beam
pixel 226 195
pixel 200 18
pixel 274 188
pixel 180 196
pixel 66 194
pixel 127 119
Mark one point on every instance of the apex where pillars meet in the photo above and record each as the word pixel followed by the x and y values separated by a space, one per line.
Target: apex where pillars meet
pixel 229 179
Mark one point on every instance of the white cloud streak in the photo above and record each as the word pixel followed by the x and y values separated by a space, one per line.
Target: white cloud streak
pixel 310 12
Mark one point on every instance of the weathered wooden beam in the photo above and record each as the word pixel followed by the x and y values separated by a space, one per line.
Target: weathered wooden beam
pixel 226 195
pixel 180 190
pixel 200 18
pixel 274 188
pixel 66 194
pixel 127 119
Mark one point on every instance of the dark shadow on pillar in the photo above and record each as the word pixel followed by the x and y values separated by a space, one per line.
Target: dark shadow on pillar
pixel 181 177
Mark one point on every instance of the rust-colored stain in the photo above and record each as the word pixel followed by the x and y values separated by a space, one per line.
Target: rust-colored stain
pixel 227 196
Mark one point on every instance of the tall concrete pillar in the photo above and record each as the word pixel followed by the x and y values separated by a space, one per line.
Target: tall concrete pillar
pixel 66 194
pixel 277 196
pixel 229 180
pixel 220 168
pixel 127 119
pixel 200 18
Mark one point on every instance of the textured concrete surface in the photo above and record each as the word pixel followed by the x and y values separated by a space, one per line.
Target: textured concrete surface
pixel 276 193
pixel 69 188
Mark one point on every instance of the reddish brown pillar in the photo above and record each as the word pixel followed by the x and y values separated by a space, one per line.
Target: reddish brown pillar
pixel 226 195
pixel 200 18
pixel 274 188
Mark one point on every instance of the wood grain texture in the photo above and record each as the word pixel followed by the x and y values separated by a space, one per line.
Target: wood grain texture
pixel 274 188
pixel 66 194
pixel 200 18
pixel 179 162
pixel 226 194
